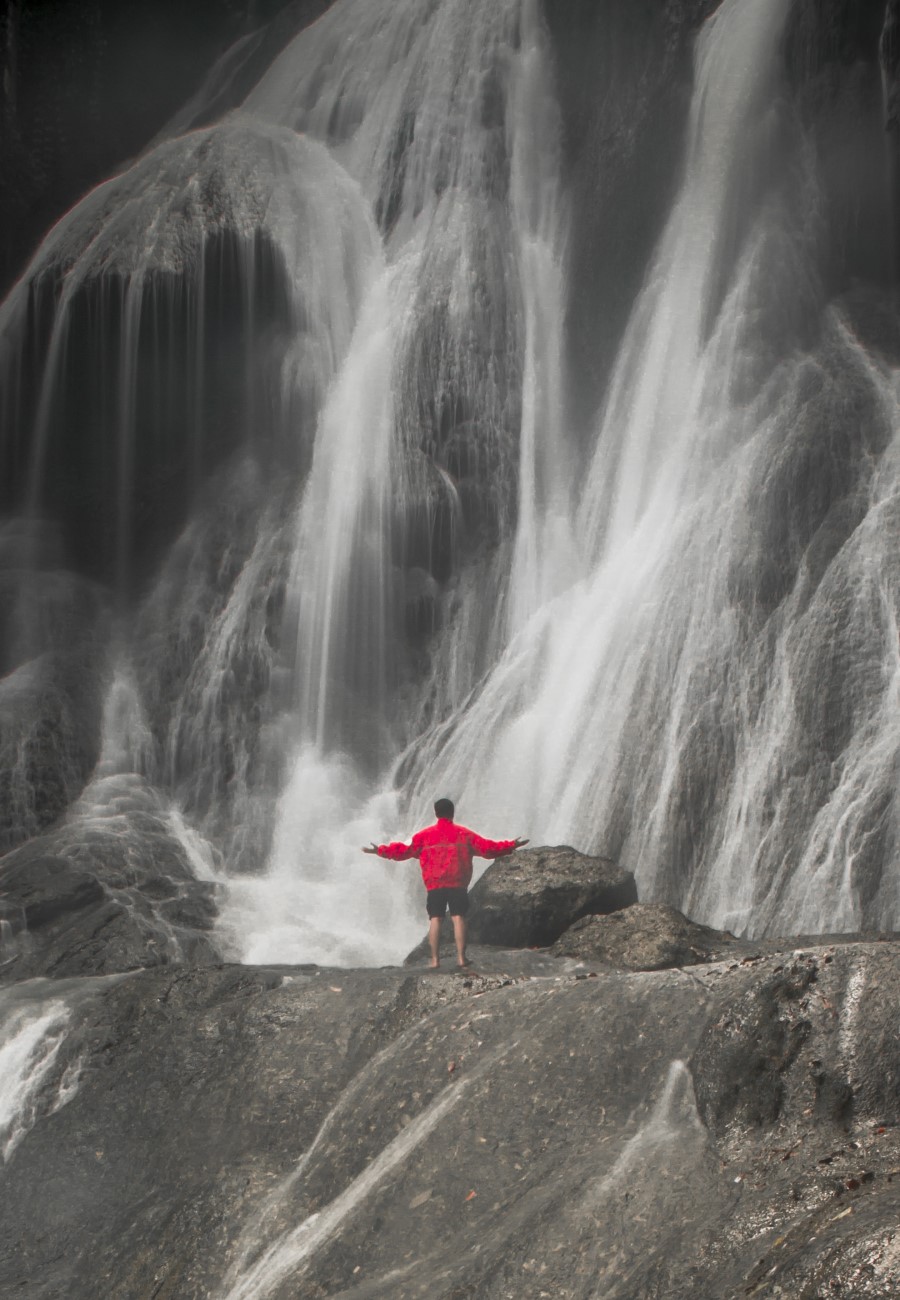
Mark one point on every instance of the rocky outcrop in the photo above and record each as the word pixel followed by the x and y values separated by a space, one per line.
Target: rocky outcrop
pixel 647 936
pixel 68 115
pixel 109 890
pixel 52 676
pixel 528 899
pixel 49 732
pixel 299 1132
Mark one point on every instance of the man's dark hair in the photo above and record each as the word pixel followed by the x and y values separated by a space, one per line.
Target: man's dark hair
pixel 444 808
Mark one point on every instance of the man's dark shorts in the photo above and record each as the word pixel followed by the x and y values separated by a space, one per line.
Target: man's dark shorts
pixel 439 900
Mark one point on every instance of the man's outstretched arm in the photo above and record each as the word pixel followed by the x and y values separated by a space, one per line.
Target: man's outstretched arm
pixel 495 848
pixel 396 852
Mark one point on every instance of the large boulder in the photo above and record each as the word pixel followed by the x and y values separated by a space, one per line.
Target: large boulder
pixel 530 898
pixel 647 936
pixel 110 889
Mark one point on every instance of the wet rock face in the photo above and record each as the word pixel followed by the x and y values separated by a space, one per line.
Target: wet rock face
pixel 48 742
pixel 744 1055
pixel 52 667
pixel 93 80
pixel 109 890
pixel 646 936
pixel 291 1132
pixel 528 899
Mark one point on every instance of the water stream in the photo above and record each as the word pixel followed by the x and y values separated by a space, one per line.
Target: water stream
pixel 36 1079
pixel 292 394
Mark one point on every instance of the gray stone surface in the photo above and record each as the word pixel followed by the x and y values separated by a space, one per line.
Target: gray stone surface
pixel 52 678
pixel 531 897
pixel 647 936
pixel 108 890
pixel 299 1132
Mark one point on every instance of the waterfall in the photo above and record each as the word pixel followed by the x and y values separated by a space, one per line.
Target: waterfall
pixel 654 711
pixel 137 290
pixel 523 744
pixel 304 527
pixel 201 304
pixel 30 1039
pixel 453 133
pixel 40 1057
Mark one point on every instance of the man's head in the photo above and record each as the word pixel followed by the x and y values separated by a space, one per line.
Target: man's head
pixel 444 808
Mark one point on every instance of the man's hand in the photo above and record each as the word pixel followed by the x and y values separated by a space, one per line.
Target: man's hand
pixel 520 843
pixel 373 848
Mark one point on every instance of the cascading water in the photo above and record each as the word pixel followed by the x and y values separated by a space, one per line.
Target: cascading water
pixel 30 1042
pixel 456 142
pixel 655 712
pixel 670 416
pixel 192 313
pixel 35 1020
pixel 316 356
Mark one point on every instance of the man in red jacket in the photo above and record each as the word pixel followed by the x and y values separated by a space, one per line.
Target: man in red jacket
pixel 445 853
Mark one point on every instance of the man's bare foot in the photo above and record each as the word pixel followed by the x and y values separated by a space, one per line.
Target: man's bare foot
pixel 434 964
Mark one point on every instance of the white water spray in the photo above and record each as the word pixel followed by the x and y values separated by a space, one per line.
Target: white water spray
pixel 30 1038
pixel 478 82
pixel 668 465
pixel 345 307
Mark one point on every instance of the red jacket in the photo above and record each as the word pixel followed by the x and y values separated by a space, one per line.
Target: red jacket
pixel 445 853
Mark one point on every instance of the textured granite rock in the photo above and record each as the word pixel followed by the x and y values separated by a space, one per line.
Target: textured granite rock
pixel 531 897
pixel 647 936
pixel 52 680
pixel 108 890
